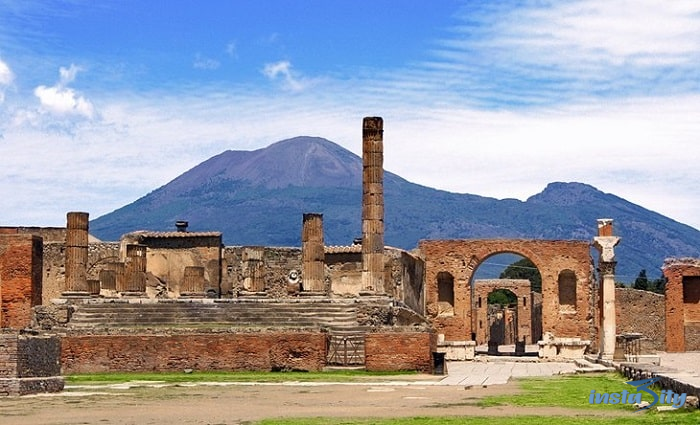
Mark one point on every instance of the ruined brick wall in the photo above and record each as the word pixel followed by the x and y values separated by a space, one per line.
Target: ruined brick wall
pixel 20 279
pixel 167 257
pixel 407 278
pixel 386 351
pixel 345 272
pixel 280 270
pixel 642 312
pixel 175 352
pixel 48 234
pixel 521 289
pixel 100 254
pixel 682 304
pixel 461 257
pixel 29 364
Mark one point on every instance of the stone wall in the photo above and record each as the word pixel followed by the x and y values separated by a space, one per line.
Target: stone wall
pixel 460 258
pixel 178 351
pixel 20 279
pixel 280 270
pixel 642 312
pixel 29 364
pixel 387 351
pixel 524 317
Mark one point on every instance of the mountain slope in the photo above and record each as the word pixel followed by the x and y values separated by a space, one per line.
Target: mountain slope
pixel 258 197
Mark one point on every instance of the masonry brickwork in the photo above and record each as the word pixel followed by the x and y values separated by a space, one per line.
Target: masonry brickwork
pixel 521 289
pixel 642 312
pixel 174 352
pixel 386 351
pixel 29 364
pixel 460 258
pixel 20 279
pixel 682 304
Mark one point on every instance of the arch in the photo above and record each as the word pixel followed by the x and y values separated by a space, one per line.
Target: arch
pixel 460 258
pixel 567 291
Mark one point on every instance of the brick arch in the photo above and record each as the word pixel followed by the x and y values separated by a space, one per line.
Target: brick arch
pixel 461 257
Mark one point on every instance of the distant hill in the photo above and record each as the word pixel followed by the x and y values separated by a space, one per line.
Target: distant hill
pixel 258 197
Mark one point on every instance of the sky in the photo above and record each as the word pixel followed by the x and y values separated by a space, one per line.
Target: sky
pixel 102 102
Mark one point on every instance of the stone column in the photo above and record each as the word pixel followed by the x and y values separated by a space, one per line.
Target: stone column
pixel 372 205
pixel 76 255
pixel 312 253
pixel 605 243
pixel 135 266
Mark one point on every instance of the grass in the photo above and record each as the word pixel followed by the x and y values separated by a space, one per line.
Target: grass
pixel 563 391
pixel 670 419
pixel 178 377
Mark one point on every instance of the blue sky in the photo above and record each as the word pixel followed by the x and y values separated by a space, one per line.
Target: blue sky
pixel 104 101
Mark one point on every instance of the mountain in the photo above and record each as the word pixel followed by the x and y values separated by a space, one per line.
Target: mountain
pixel 258 197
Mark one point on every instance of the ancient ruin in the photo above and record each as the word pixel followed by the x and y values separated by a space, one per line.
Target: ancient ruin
pixel 179 300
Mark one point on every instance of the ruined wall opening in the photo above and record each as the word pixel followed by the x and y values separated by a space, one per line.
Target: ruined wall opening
pixel 506 310
pixel 567 291
pixel 446 294
pixel 502 314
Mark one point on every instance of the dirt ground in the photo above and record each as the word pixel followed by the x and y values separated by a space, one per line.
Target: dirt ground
pixel 238 404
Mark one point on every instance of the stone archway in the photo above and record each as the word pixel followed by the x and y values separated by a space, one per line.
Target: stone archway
pixel 460 258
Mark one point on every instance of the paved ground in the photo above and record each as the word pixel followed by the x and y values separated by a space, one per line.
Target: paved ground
pixel 500 372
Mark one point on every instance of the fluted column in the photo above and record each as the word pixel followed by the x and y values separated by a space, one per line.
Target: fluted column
pixel 312 252
pixel 135 266
pixel 373 204
pixel 605 243
pixel 76 254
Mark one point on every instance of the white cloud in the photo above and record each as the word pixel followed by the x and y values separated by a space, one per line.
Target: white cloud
pixel 62 100
pixel 232 49
pixel 283 69
pixel 201 62
pixel 6 78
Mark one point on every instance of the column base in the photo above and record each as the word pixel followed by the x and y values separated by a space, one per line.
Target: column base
pixel 75 294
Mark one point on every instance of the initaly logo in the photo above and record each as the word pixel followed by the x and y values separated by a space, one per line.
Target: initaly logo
pixel 626 397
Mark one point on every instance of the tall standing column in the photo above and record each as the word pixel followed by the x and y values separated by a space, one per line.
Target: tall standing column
pixel 605 243
pixel 76 254
pixel 312 253
pixel 373 204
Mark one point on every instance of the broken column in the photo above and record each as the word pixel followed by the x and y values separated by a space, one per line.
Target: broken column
pixel 135 268
pixel 76 254
pixel 605 243
pixel 372 205
pixel 312 252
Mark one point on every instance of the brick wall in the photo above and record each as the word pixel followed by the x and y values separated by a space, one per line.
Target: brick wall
pixel 386 351
pixel 642 312
pixel 20 279
pixel 29 364
pixel 215 351
pixel 682 275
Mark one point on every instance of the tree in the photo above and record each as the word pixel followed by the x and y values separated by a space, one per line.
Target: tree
pixel 503 297
pixel 641 282
pixel 524 269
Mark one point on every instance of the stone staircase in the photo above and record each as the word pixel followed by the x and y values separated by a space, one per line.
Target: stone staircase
pixel 203 314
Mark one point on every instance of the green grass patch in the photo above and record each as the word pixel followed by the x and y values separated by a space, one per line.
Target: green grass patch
pixel 176 377
pixel 570 391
